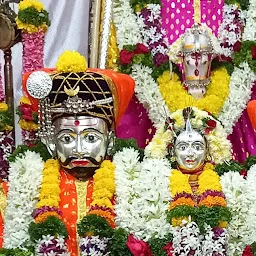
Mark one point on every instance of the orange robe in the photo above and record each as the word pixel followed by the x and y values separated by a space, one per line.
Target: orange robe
pixel 70 208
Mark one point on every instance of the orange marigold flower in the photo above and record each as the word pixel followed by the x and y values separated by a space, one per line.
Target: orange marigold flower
pixel 210 201
pixel 182 201
pixel 42 217
pixel 105 214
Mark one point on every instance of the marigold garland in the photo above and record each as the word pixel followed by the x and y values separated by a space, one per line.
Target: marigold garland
pixel 31 3
pixel 104 185
pixel 176 97
pixel 28 125
pixel 209 180
pixel 50 190
pixel 209 194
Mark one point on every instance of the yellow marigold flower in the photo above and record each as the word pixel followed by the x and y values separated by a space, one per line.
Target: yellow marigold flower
pixel 50 190
pixel 29 28
pixel 51 163
pixel 31 3
pixel 223 224
pixel 28 125
pixel 176 222
pixel 103 202
pixel 71 61
pixel 108 164
pixel 3 107
pixel 216 93
pixel 8 128
pixel 50 179
pixel 24 100
pixel 101 193
pixel 47 202
pixel 103 173
pixel 209 180
pixel 105 183
pixel 179 183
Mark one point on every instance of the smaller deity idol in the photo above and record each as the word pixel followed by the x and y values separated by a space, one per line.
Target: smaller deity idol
pixel 190 151
pixel 78 111
pixel 196 210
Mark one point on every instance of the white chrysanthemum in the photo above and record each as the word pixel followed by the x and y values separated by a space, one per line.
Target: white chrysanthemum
pixel 25 176
pixel 241 82
pixel 128 30
pixel 148 93
pixel 142 195
pixel 240 195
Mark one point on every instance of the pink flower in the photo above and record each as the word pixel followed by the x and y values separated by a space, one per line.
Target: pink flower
pixel 141 49
pixel 138 247
pixel 126 57
pixel 168 248
pixel 26 112
pixel 247 251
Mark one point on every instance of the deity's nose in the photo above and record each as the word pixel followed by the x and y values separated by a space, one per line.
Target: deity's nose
pixel 191 152
pixel 78 151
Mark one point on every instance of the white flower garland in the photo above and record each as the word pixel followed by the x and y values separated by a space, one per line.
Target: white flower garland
pixel 128 30
pixel 126 174
pixel 142 195
pixel 148 93
pixel 240 195
pixel 187 239
pixel 250 29
pixel 232 35
pixel 240 89
pixel 25 176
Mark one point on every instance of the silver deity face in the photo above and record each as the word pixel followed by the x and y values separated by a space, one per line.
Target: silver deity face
pixel 81 142
pixel 190 149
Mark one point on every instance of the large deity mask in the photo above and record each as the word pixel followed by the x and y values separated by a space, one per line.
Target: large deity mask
pixel 78 112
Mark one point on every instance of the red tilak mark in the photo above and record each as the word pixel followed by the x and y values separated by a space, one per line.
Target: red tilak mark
pixel 76 123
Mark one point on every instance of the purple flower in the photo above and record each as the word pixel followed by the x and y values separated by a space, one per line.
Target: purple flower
pixel 160 59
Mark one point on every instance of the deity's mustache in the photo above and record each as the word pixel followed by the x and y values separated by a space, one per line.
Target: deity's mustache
pixel 92 160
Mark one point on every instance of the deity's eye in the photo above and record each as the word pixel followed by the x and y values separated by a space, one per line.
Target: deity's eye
pixel 91 138
pixel 66 138
pixel 198 147
pixel 182 147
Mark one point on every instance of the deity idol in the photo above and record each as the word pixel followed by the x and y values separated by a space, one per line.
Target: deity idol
pixel 78 111
pixel 182 200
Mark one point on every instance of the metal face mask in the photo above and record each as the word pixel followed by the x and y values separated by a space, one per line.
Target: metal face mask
pixel 81 143
pixel 190 149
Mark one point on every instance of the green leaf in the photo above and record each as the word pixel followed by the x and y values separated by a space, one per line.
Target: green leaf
pixel 51 226
pixel 96 225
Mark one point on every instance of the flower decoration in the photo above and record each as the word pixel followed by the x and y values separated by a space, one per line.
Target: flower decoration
pixel 32 17
pixel 25 175
pixel 179 98
pixel 219 145
pixel 138 247
pixel 71 61
pixel 248 251
pixel 230 30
